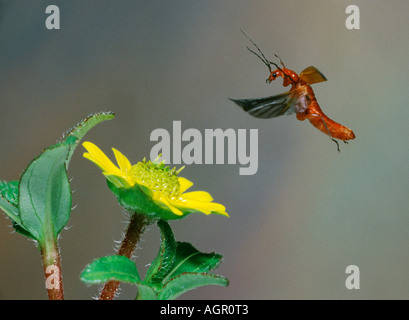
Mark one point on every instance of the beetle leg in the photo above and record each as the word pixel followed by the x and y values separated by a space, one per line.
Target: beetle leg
pixel 329 133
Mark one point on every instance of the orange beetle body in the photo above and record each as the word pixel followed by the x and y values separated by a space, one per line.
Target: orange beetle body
pixel 307 107
pixel 300 99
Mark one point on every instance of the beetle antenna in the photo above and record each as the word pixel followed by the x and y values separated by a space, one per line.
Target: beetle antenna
pixel 261 56
pixel 266 62
pixel 281 61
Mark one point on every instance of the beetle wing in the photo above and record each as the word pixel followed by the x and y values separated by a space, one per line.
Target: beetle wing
pixel 312 75
pixel 269 107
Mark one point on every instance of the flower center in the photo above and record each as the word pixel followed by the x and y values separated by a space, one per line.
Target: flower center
pixel 158 177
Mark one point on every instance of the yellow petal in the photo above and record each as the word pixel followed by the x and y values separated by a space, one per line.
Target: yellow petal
pixel 184 184
pixel 99 158
pixel 122 161
pixel 199 206
pixel 198 196
pixel 125 167
pixel 117 180
pixel 162 201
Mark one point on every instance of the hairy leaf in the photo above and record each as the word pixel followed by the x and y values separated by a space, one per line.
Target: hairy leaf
pixel 163 262
pixel 187 281
pixel 105 269
pixel 45 194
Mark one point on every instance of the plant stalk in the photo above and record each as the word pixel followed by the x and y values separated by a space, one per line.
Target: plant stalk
pixel 52 271
pixel 132 236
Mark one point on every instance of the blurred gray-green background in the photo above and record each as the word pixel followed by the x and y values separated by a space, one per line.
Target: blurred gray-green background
pixel 307 214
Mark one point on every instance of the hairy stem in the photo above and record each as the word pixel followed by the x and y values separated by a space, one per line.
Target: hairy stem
pixel 132 236
pixel 52 271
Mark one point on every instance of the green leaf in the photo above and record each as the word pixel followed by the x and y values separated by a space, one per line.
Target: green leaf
pixel 105 269
pixel 11 211
pixel 19 228
pixel 74 135
pixel 9 199
pixel 145 292
pixel 136 200
pixel 177 268
pixel 9 191
pixel 163 262
pixel 39 205
pixel 45 194
pixel 187 281
pixel 189 259
pixel 9 204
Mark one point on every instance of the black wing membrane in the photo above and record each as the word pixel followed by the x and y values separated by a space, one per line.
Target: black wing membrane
pixel 270 107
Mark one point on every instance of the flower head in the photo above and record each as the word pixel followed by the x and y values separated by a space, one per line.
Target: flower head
pixel 151 188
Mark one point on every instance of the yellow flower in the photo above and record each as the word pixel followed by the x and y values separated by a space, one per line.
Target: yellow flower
pixel 151 188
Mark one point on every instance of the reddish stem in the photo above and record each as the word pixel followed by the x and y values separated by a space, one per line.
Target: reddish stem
pixel 132 237
pixel 52 271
